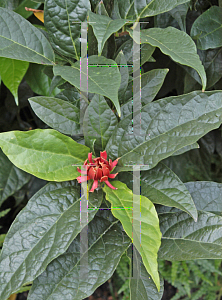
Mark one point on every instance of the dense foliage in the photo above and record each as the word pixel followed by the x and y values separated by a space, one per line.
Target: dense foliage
pixel 81 131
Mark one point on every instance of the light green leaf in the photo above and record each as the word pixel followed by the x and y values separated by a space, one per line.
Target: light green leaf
pixel 104 27
pixel 39 82
pixel 163 134
pixel 175 43
pixel 42 231
pixel 143 287
pixel 12 72
pixel 106 243
pixel 162 186
pixel 183 239
pixel 4 212
pixel 121 206
pixel 22 40
pixel 186 148
pixel 47 154
pixel 207 29
pixel 99 122
pixel 63 23
pixel 102 79
pixel 12 179
pixel 20 9
pixel 58 114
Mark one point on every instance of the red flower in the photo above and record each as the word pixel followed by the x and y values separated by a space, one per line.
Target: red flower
pixel 97 169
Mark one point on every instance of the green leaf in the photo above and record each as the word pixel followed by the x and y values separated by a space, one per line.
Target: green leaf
pixel 106 244
pixel 175 43
pixel 2 238
pixel 58 114
pixel 4 212
pixel 155 7
pixel 124 72
pixel 186 148
pixel 102 79
pixel 11 178
pixel 99 122
pixel 39 82
pixel 183 239
pixel 207 29
pixel 104 27
pixel 22 40
pixel 161 136
pixel 121 206
pixel 179 14
pixel 206 195
pixel 42 231
pixel 162 186
pixel 47 154
pixel 26 3
pixel 143 287
pixel 12 72
pixel 63 23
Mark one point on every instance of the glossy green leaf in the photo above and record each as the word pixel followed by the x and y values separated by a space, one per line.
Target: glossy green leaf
pixel 143 287
pixel 163 134
pixel 102 79
pixel 104 27
pixel 184 239
pixel 99 122
pixel 31 46
pixel 39 82
pixel 63 23
pixel 162 186
pixel 47 154
pixel 12 72
pixel 121 206
pixel 58 114
pixel 41 232
pixel 106 243
pixel 207 29
pixel 124 72
pixel 20 9
pixel 206 195
pixel 11 178
pixel 186 148
pixel 175 43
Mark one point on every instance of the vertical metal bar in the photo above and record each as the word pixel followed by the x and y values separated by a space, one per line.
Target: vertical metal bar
pixel 136 81
pixel 83 74
pixel 136 222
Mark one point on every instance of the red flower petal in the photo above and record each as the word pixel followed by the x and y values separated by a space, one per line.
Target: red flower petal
pixel 115 163
pixel 94 186
pixel 99 174
pixel 106 171
pixel 110 185
pixel 112 175
pixel 81 179
pixel 91 173
pixel 81 171
pixel 103 154
pixel 90 157
pixel 104 178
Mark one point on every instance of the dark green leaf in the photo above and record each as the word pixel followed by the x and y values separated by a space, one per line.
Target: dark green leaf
pixel 99 122
pixel 207 29
pixel 162 186
pixel 20 9
pixel 161 133
pixel 175 43
pixel 121 201
pixel 179 14
pixel 58 114
pixel 102 79
pixel 42 231
pixel 124 72
pixel 184 239
pixel 63 23
pixel 12 72
pixel 47 154
pixel 186 148
pixel 106 243
pixel 38 81
pixel 11 178
pixel 22 40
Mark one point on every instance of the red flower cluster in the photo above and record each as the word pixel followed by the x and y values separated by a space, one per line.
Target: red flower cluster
pixel 98 169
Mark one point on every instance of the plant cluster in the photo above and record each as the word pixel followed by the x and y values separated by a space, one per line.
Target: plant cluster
pixel 87 126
